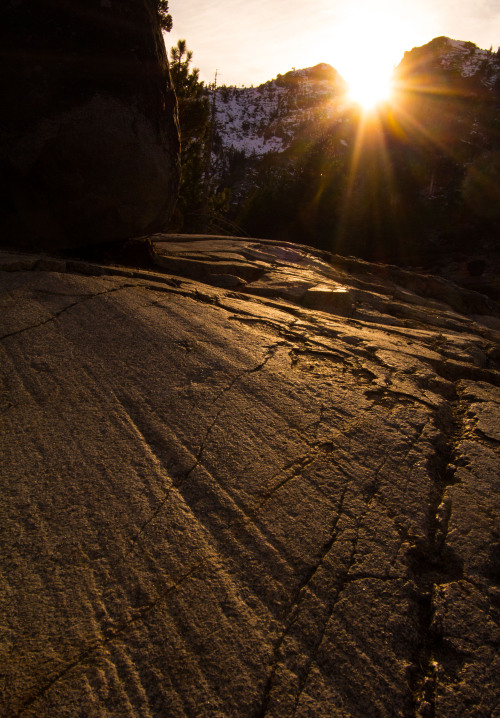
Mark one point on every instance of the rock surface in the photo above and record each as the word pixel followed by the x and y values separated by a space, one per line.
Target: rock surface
pixel 88 143
pixel 219 499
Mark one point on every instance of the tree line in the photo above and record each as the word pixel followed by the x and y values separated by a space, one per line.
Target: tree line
pixel 427 177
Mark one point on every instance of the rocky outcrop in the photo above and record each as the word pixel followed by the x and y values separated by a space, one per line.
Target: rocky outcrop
pixel 88 138
pixel 224 497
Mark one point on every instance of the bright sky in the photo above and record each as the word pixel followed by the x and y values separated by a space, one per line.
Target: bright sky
pixel 251 41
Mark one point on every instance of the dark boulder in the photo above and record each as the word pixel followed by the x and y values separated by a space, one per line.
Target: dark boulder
pixel 88 133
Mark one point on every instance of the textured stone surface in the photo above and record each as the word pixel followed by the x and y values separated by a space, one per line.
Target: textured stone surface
pixel 219 503
pixel 88 140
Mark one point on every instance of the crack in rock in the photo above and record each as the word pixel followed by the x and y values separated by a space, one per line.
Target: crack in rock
pixel 57 314
pixel 271 352
pixel 429 564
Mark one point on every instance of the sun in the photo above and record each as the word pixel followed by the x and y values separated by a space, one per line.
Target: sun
pixel 369 41
pixel 369 90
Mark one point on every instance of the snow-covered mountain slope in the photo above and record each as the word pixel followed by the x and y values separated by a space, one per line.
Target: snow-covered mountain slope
pixel 255 121
pixel 470 60
pixel 450 89
pixel 259 120
pixel 285 151
pixel 454 59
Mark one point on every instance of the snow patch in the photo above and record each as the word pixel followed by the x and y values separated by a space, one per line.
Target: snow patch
pixel 469 60
pixel 265 119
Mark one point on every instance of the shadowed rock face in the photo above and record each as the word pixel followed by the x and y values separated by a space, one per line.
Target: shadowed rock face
pixel 89 143
pixel 226 493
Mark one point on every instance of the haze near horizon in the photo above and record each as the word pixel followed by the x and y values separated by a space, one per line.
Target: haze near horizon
pixel 251 43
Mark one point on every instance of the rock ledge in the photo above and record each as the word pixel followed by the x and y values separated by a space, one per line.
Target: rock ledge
pixel 252 481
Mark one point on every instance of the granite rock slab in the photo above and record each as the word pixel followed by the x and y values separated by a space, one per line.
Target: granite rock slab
pixel 219 503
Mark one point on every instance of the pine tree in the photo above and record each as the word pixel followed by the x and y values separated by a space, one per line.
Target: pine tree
pixel 198 201
pixel 165 17
pixel 193 123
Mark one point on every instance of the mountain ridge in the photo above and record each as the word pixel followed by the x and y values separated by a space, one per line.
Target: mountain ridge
pixel 292 92
pixel 474 61
pixel 286 151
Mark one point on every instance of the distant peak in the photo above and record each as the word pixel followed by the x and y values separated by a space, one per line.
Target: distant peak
pixel 448 54
pixel 322 72
pixel 443 43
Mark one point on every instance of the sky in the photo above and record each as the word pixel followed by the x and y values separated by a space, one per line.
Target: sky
pixel 250 41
